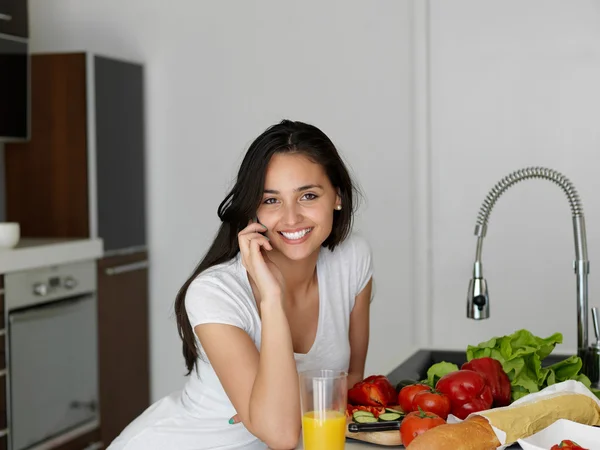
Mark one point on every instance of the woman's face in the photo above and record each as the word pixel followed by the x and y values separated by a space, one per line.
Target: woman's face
pixel 297 205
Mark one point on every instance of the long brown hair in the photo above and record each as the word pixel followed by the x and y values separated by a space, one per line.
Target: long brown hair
pixel 241 203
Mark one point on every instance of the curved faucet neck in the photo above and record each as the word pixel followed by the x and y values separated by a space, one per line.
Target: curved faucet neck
pixel 478 286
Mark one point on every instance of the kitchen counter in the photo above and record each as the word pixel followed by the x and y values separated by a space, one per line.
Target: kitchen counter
pixel 34 253
pixel 356 445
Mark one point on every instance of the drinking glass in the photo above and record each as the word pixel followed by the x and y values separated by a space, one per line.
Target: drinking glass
pixel 323 398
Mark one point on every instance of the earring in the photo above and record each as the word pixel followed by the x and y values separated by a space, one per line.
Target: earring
pixel 338 207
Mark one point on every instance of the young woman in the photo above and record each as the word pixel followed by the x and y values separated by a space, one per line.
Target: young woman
pixel 284 287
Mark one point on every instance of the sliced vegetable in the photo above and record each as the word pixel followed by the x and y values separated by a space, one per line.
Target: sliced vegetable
pixel 375 390
pixel 362 414
pixel 391 410
pixel 389 417
pixel 365 419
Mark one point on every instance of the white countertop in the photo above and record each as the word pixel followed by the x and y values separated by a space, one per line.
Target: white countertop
pixel 351 444
pixel 34 253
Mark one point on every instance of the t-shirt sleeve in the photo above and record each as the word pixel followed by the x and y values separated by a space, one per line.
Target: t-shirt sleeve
pixel 207 301
pixel 364 262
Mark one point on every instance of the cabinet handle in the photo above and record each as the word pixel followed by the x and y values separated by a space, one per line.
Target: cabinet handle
pixel 3 372
pixel 94 446
pixel 5 17
pixel 126 268
pixel 4 432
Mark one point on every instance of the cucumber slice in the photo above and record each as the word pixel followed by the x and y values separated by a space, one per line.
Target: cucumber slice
pixel 365 419
pixel 389 417
pixel 362 414
pixel 394 411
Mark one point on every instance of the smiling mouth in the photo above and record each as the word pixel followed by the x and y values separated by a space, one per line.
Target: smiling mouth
pixel 296 234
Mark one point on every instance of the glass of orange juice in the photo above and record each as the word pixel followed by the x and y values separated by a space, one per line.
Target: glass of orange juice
pixel 323 397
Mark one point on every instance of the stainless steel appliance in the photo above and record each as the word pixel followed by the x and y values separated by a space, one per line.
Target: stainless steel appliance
pixel 52 354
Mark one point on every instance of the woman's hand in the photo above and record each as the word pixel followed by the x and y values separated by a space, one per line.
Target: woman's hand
pixel 264 273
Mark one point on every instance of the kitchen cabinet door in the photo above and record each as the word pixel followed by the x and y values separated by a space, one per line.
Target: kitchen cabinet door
pixel 119 122
pixel 123 341
pixel 14 18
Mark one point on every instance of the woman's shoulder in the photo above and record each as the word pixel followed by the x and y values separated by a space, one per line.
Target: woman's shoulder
pixel 355 245
pixel 225 276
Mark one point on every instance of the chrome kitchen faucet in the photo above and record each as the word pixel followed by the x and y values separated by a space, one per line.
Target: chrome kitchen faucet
pixel 478 301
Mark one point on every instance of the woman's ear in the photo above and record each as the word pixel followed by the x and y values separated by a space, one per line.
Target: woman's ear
pixel 338 200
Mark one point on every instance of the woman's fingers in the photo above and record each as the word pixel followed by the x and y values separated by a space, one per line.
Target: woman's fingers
pixel 235 419
pixel 246 241
pixel 253 228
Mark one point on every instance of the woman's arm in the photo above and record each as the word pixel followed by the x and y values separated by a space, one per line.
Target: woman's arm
pixel 263 388
pixel 359 335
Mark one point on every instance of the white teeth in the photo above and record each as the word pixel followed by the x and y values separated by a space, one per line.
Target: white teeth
pixel 297 234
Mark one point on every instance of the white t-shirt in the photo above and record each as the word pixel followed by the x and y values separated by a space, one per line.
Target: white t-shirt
pixel 197 417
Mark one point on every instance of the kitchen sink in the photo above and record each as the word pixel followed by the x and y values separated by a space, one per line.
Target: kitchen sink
pixel 415 367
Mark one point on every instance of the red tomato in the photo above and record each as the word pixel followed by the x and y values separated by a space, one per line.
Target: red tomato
pixel 407 393
pixel 432 401
pixel 416 423
pixel 567 445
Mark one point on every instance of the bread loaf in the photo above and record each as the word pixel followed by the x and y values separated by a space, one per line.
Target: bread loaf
pixel 475 433
pixel 518 421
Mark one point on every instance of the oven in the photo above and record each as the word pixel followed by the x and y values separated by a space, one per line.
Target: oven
pixel 52 354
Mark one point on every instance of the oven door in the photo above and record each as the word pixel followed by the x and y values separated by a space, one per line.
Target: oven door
pixel 53 369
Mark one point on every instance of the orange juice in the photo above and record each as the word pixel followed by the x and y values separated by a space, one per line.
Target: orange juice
pixel 324 432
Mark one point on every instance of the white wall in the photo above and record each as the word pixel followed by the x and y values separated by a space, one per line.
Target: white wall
pixel 513 84
pixel 219 72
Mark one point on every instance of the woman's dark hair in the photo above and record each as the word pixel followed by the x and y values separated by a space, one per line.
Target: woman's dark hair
pixel 241 203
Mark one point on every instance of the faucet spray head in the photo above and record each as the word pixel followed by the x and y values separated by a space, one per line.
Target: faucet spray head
pixel 478 300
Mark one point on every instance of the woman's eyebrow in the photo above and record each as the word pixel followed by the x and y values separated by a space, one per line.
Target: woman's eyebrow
pixel 300 189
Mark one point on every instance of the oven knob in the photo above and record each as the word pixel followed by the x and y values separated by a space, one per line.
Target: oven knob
pixel 69 283
pixel 40 289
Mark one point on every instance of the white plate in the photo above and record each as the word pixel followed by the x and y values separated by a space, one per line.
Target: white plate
pixel 584 435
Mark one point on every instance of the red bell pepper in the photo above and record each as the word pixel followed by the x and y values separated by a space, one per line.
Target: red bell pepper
pixel 495 376
pixel 375 390
pixel 468 392
pixel 567 445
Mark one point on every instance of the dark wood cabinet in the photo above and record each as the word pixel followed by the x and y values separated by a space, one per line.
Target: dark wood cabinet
pixel 86 152
pixel 14 19
pixel 123 341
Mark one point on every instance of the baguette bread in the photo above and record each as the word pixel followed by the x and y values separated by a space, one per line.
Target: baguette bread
pixel 475 433
pixel 517 421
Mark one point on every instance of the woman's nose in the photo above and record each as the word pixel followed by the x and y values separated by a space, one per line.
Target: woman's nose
pixel 291 214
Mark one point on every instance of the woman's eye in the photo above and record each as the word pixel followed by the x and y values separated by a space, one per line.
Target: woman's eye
pixel 309 196
pixel 269 201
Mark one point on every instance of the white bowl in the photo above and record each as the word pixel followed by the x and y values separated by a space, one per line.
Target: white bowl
pixel 584 435
pixel 10 232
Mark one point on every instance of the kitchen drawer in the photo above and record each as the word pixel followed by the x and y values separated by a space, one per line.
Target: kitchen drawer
pixel 14 19
pixel 88 441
